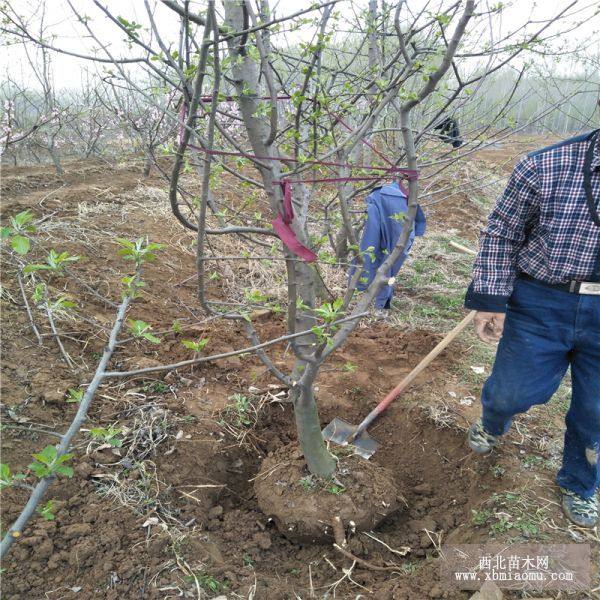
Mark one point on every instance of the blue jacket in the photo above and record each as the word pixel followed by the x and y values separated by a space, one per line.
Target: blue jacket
pixel 386 209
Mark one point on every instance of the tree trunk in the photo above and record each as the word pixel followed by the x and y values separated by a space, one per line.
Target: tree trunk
pixel 56 160
pixel 301 276
pixel 318 458
pixel 148 164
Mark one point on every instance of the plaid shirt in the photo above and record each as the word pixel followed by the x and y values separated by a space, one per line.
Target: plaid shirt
pixel 542 225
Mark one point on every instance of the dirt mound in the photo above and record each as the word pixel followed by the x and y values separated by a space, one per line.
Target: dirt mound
pixel 362 494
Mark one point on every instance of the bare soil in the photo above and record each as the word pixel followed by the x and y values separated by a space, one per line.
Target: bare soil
pixel 174 511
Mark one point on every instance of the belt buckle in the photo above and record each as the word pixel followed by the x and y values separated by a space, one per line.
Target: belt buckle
pixel 589 287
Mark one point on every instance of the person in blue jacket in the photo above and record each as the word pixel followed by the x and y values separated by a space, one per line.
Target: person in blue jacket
pixel 386 212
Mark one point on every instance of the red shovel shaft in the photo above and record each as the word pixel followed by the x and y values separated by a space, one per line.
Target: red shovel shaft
pixel 410 377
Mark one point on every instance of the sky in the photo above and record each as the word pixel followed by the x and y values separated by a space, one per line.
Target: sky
pixel 69 34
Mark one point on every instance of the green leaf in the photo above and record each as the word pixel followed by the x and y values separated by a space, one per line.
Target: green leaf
pixel 38 293
pixel 151 338
pixel 47 455
pixel 64 470
pixel 36 267
pixel 5 232
pixel 126 243
pixel 20 244
pixel 195 346
pixel 46 511
pixel 74 396
pixel 48 462
pixel 6 477
pixel 20 220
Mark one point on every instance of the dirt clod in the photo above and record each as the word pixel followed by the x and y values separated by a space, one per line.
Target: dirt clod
pixel 303 509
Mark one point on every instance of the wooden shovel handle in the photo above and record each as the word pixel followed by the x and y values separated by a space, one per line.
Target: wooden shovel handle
pixel 413 374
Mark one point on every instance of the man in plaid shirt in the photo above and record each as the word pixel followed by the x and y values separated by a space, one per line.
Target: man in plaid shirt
pixel 536 290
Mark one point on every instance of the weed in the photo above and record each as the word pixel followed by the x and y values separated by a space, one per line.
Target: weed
pixel 74 396
pixel 349 367
pixel 342 450
pixel 335 489
pixel 211 584
pixel 107 435
pixel 195 346
pixel 512 512
pixel 240 409
pixel 357 393
pixel 497 471
pixel 481 517
pixel 532 460
pixel 307 483
pixel 409 568
pixel 157 387
pixel 46 511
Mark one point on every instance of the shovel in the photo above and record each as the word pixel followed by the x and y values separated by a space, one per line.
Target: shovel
pixel 343 433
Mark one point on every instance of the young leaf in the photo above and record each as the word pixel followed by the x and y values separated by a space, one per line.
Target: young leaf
pixel 7 478
pixel 141 329
pixel 20 244
pixel 74 396
pixel 48 462
pixel 151 338
pixel 46 511
pixel 195 346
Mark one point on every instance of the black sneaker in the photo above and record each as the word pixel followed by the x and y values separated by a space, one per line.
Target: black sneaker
pixel 480 440
pixel 582 511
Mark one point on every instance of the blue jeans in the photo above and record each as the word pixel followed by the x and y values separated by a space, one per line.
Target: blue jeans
pixel 545 331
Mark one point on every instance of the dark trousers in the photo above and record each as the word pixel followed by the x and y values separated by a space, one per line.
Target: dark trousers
pixel 546 331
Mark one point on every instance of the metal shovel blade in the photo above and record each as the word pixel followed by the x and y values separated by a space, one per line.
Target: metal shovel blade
pixel 340 431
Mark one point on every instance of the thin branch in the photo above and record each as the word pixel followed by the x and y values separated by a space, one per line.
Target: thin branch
pixel 29 314
pixel 42 486
pixel 56 336
pixel 203 359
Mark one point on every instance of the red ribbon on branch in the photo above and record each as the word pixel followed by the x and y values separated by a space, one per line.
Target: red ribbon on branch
pixel 282 224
